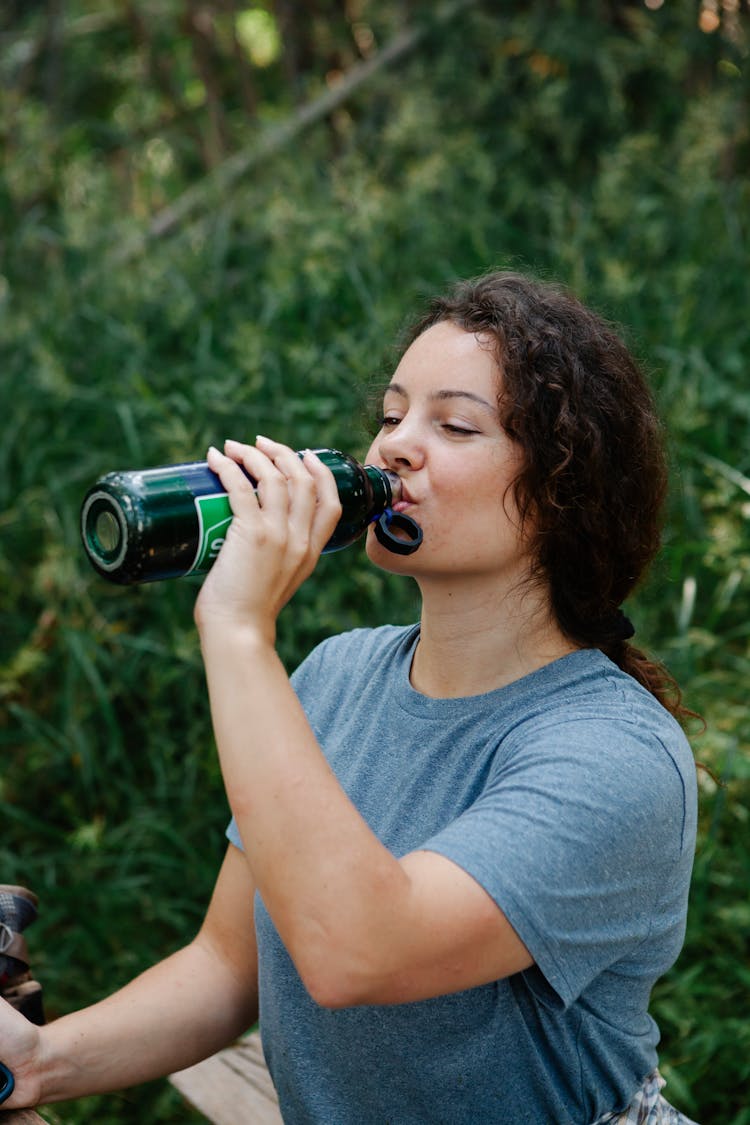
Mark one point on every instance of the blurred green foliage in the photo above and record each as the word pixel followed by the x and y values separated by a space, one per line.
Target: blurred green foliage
pixel 604 144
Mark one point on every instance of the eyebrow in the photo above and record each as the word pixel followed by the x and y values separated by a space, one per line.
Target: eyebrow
pixel 442 395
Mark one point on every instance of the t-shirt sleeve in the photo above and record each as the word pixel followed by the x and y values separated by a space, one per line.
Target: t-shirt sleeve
pixel 574 837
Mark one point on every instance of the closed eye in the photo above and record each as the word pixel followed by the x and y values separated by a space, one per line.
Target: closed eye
pixel 464 431
pixel 389 421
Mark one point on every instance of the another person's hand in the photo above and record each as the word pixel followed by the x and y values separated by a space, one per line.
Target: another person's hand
pixel 20 1051
pixel 278 530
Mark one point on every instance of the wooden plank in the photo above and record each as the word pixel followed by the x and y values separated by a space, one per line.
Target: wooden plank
pixel 21 1117
pixel 233 1085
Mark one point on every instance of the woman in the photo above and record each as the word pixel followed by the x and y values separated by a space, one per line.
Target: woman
pixel 471 838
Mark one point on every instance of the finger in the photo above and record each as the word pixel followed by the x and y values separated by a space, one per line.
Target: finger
pixel 288 462
pixel 303 500
pixel 240 481
pixel 268 482
pixel 233 479
pixel 315 507
pixel 274 449
pixel 328 509
pixel 307 488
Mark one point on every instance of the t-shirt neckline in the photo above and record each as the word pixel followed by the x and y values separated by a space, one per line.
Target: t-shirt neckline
pixel 556 672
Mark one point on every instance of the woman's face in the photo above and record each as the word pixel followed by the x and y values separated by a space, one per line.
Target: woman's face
pixel 441 433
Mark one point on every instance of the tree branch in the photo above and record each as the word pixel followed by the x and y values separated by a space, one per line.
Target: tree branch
pixel 231 170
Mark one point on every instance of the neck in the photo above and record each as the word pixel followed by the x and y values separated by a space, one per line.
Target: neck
pixel 473 641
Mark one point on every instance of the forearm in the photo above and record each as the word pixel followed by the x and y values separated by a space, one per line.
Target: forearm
pixel 330 886
pixel 335 894
pixel 176 1013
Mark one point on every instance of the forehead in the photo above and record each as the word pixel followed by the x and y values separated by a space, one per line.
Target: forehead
pixel 445 357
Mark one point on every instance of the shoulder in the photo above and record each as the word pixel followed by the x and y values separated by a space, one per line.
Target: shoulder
pixel 596 731
pixel 357 652
pixel 585 695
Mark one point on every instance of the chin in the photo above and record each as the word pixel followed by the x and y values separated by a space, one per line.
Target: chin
pixel 381 557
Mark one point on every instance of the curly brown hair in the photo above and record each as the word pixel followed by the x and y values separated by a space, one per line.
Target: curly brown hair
pixel 594 475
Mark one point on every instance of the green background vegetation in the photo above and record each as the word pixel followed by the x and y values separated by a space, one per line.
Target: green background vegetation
pixel 185 259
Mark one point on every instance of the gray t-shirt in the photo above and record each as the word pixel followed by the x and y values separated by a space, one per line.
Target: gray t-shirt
pixel 570 796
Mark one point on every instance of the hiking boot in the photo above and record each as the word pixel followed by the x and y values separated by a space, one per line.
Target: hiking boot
pixel 18 909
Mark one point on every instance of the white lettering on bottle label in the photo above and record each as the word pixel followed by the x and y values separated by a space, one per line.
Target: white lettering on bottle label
pixel 214 517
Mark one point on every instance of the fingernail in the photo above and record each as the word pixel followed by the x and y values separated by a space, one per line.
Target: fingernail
pixel 261 437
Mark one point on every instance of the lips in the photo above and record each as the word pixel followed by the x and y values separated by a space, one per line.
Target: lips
pixel 401 496
pixel 405 500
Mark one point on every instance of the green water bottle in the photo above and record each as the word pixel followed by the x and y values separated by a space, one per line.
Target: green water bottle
pixel 149 524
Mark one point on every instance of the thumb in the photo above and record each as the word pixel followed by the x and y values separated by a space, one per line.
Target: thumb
pixel 19 1059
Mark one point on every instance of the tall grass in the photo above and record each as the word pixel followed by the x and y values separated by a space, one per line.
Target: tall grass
pixel 269 314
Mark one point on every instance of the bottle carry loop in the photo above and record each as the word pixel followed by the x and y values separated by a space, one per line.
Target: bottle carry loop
pixel 7 1083
pixel 399 522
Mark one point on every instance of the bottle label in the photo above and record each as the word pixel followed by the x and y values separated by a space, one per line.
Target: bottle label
pixel 214 517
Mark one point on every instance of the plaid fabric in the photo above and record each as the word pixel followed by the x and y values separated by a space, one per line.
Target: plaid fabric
pixel 16 911
pixel 648 1107
pixel 7 908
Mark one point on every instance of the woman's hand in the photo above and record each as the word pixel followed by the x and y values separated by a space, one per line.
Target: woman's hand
pixel 20 1052
pixel 278 530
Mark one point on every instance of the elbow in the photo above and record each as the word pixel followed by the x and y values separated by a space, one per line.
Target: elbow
pixel 331 993
pixel 350 958
pixel 334 990
pixel 338 977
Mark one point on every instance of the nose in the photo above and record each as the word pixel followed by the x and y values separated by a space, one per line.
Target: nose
pixel 401 447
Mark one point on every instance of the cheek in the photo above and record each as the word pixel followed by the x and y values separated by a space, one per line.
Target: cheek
pixel 371 457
